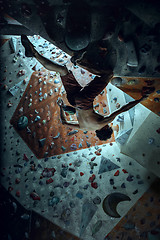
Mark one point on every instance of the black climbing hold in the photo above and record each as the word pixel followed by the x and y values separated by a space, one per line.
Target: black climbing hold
pixel 42 142
pixel 22 122
pixel 145 48
pixel 142 69
pixel 97 200
pixel 156 99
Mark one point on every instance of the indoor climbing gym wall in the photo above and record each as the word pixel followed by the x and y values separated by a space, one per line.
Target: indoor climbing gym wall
pixel 61 183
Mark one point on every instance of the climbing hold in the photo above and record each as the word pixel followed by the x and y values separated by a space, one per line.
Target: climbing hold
pixel 96 227
pixel 133 82
pixel 53 201
pixel 72 132
pixel 25 216
pixel 80 145
pixel 42 142
pixel 65 214
pixel 88 144
pixel 86 186
pixel 98 152
pixel 123 185
pixel 122 138
pixel 18 194
pixel 64 172
pixel 106 165
pixel 94 185
pixel 123 170
pixel 63 148
pixel 129 226
pixel 56 81
pixel 72 204
pixel 48 172
pixel 120 118
pixel 25 157
pixel 79 195
pixel 97 200
pixel 37 118
pixel 136 191
pixel 73 146
pixel 130 178
pixel 145 48
pixel 150 140
pixel 111 181
pixel 22 122
pixel 17 181
pixel 66 184
pixel 92 165
pixel 45 96
pixel 48 181
pixel 116 173
pixel 34 196
pixel 13 44
pixel 92 159
pixel 111 201
pixel 26 10
pixel 57 136
pixel 88 211
pixel 142 69
pixel 92 178
pixel 156 100
pixel 81 174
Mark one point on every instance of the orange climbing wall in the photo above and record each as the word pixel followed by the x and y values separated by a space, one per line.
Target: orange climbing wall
pixel 48 110
pixel 136 86
pixel 142 220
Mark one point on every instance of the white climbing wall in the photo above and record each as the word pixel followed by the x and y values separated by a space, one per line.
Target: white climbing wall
pixel 83 178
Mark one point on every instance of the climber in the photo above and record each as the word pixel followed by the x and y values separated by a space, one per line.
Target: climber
pixel 81 98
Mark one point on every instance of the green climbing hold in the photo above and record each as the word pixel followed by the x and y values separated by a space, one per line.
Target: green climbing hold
pixel 22 122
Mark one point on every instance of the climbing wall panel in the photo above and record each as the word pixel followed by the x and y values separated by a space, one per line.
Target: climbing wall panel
pixel 136 87
pixel 143 219
pixel 45 135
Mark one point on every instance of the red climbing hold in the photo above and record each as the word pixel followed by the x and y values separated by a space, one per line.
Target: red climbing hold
pixel 124 171
pixel 94 185
pixel 34 196
pixel 158 130
pixel 17 180
pixel 50 180
pixel 25 157
pixel 10 189
pixel 92 178
pixel 18 193
pixel 98 152
pixel 116 173
pixel 81 173
pixel 92 159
